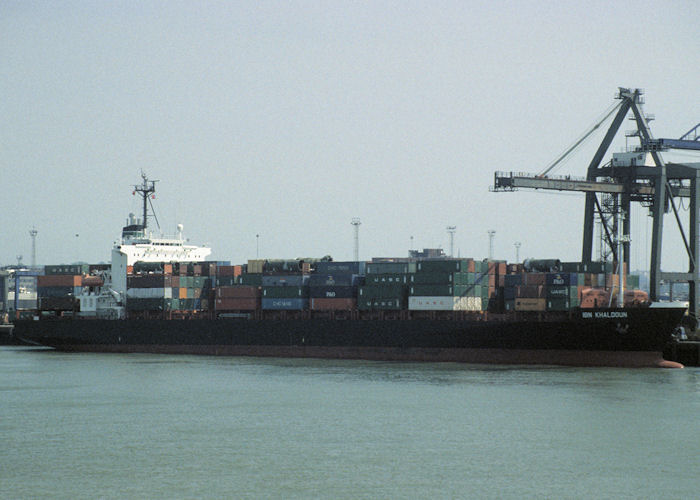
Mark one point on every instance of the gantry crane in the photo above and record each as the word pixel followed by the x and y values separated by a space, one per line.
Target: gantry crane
pixel 639 176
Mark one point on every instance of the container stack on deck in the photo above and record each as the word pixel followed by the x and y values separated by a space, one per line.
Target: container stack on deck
pixel 386 286
pixel 322 288
pixel 58 287
pixel 166 289
pixel 333 285
pixel 284 286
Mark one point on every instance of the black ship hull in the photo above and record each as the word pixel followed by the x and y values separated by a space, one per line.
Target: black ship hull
pixel 610 337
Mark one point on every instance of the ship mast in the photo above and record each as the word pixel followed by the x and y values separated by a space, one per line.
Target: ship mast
pixel 145 190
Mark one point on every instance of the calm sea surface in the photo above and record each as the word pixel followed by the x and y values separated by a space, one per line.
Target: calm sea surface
pixel 160 426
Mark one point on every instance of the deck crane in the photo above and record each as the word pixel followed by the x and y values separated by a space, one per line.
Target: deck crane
pixel 640 176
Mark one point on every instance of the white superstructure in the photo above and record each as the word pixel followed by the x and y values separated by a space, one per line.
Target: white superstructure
pixel 138 244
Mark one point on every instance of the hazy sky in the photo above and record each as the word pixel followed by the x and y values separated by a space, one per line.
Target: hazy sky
pixel 288 119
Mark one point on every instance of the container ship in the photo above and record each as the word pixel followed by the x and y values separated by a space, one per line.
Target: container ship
pixel 160 295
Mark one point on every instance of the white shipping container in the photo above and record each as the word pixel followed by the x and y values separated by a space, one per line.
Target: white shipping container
pixel 423 303
pixel 467 303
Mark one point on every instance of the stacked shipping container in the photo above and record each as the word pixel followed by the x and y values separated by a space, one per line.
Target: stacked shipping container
pixel 185 287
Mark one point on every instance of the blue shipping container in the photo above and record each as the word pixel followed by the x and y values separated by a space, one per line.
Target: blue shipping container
pixel 285 304
pixel 284 280
pixel 566 279
pixel 337 279
pixel 349 267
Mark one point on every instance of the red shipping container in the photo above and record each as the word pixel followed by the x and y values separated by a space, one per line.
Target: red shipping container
pixel 59 280
pixel 323 304
pixel 229 271
pixel 534 278
pixel 167 269
pixel 237 304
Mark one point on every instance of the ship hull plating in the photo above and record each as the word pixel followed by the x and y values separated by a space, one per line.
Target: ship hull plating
pixel 629 337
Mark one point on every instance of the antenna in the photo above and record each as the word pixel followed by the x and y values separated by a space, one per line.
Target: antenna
pixel 451 231
pixel 491 233
pixel 517 251
pixel 144 190
pixel 356 225
pixel 33 232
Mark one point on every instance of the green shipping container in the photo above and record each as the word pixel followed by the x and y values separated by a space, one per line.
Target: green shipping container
pixel 467 290
pixel 285 292
pixel 558 304
pixel 368 292
pixel 431 290
pixel 557 291
pixel 439 266
pixel 201 282
pixel 431 278
pixel 250 279
pixel 461 278
pixel 386 279
pixel 390 267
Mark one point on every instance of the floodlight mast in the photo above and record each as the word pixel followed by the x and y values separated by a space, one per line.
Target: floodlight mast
pixel 356 228
pixel 451 231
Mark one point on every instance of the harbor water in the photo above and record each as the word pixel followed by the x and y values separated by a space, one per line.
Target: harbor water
pixel 162 426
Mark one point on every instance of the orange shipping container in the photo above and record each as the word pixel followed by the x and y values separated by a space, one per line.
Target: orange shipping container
pixel 183 293
pixel 59 280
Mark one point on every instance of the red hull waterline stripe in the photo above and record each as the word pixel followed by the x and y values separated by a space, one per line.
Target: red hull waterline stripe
pixel 627 359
